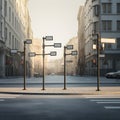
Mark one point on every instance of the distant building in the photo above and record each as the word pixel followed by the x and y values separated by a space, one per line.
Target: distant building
pixel 72 61
pixel 37 60
pixel 15 27
pixel 102 17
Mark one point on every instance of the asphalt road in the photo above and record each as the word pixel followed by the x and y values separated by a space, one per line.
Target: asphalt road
pixel 34 107
pixel 58 81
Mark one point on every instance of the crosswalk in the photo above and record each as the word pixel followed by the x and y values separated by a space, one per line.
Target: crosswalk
pixel 4 97
pixel 108 103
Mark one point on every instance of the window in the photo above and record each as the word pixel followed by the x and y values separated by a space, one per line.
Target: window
pixel 96 26
pixel 107 8
pixel 12 18
pixel 5 7
pixel 96 10
pixel 118 25
pixel 118 43
pixel 118 7
pixel 1 30
pixel 108 46
pixel 106 25
pixel 9 14
pixel 15 43
pixel 9 38
pixel 5 33
pixel 12 41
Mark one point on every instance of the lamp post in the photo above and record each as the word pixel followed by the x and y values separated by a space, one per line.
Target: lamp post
pixel 97 47
pixel 98 62
pixel 27 41
pixel 65 67
pixel 14 51
pixel 68 47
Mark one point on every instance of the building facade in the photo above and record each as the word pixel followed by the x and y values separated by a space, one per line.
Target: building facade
pixel 81 42
pixel 71 61
pixel 102 17
pixel 14 29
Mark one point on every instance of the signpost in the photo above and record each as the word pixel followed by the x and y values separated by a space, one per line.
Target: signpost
pixel 68 47
pixel 52 53
pixel 15 51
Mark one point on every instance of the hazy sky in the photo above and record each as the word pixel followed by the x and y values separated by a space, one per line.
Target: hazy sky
pixel 55 17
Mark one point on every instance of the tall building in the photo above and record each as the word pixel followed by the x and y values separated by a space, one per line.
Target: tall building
pixel 102 17
pixel 14 29
pixel 81 41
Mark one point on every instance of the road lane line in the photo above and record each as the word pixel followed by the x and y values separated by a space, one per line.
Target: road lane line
pixel 8 97
pixel 108 102
pixel 105 100
pixel 112 107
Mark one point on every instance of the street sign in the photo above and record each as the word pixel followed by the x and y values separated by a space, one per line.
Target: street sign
pixel 28 41
pixel 49 38
pixel 14 51
pixel 108 40
pixel 102 55
pixel 74 53
pixel 54 53
pixel 57 45
pixel 69 47
pixel 32 54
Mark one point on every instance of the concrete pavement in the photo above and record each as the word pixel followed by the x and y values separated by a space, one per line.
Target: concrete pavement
pixel 107 91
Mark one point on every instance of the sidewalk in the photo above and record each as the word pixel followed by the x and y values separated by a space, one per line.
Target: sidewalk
pixel 60 91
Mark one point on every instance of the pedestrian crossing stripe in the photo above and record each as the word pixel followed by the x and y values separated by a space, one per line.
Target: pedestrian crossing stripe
pixel 1 100
pixel 108 102
pixel 7 97
pixel 112 107
pixel 105 100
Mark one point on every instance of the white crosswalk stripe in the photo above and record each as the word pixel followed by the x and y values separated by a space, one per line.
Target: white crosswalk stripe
pixel 113 104
pixel 4 97
pixel 112 107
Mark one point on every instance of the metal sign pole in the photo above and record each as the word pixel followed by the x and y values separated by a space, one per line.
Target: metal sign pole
pixel 65 68
pixel 43 88
pixel 24 66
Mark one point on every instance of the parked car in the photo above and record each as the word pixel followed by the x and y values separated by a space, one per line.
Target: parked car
pixel 37 75
pixel 113 75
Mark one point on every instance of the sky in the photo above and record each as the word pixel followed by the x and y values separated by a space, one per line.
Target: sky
pixel 55 17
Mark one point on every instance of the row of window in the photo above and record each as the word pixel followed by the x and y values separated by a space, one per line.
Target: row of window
pixel 11 16
pixel 13 42
pixel 106 9
pixel 107 25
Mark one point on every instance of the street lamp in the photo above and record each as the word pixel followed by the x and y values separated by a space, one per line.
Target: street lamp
pixel 27 41
pixel 97 38
pixel 68 47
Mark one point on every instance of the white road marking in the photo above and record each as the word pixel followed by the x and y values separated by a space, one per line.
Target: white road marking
pixel 112 102
pixel 105 100
pixel 1 100
pixel 8 97
pixel 112 107
pixel 4 96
